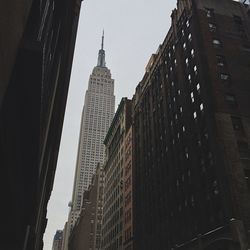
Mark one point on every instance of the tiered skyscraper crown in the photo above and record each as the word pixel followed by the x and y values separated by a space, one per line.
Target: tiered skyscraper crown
pixel 101 56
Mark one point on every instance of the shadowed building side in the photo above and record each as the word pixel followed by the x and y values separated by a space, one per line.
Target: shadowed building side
pixel 86 232
pixel 128 191
pixel 191 133
pixel 36 50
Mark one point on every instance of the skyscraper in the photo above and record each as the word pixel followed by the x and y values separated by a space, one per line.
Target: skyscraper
pixel 97 115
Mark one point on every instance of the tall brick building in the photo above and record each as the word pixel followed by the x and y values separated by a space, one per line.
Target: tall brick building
pixel 128 191
pixel 114 213
pixel 192 132
pixel 86 233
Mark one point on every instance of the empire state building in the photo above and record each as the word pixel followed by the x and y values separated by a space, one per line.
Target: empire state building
pixel 97 115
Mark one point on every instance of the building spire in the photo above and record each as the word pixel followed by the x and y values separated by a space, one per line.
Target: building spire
pixel 101 55
pixel 102 38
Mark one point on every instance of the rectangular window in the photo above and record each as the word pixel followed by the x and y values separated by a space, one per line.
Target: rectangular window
pixel 192 52
pixel 237 124
pixel 209 12
pixel 237 20
pixel 195 69
pixel 192 96
pixel 247 176
pixel 198 87
pixel 224 77
pixel 201 107
pixel 216 43
pixel 231 100
pixel 243 149
pixel 212 27
pixel 220 60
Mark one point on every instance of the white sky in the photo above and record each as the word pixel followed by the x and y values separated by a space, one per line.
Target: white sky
pixel 133 31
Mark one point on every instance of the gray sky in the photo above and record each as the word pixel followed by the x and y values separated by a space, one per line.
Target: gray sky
pixel 133 31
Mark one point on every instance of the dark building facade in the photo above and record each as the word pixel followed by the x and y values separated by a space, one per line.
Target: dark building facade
pixel 128 191
pixel 86 233
pixel 37 42
pixel 191 130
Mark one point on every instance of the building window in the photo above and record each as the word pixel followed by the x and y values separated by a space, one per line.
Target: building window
pixel 192 96
pixel 184 46
pixel 216 43
pixel 209 12
pixel 183 128
pixel 201 107
pixel 220 60
pixel 247 176
pixel 192 201
pixel 231 100
pixel 190 37
pixel 187 23
pixel 195 115
pixel 198 87
pixel 212 27
pixel 192 52
pixel 243 149
pixel 224 77
pixel 237 124
pixel 195 69
pixel 237 20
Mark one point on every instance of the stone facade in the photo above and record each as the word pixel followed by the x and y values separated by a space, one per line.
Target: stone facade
pixel 98 112
pixel 113 206
pixel 57 241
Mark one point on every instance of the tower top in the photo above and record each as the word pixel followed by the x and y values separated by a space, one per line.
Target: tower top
pixel 102 39
pixel 101 55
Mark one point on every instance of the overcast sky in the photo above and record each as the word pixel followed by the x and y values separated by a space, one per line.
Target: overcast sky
pixel 133 31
